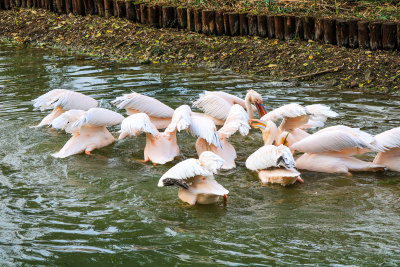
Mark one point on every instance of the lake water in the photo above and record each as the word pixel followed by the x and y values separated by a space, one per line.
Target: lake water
pixel 106 208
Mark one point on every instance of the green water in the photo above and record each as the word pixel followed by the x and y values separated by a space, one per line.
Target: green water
pixel 106 209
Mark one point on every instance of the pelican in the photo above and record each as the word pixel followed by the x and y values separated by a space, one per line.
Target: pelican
pixel 88 130
pixel 237 120
pixel 162 147
pixel 391 157
pixel 62 100
pixel 331 150
pixel 219 104
pixel 195 180
pixel 274 164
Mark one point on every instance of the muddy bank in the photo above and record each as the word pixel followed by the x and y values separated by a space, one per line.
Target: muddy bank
pixel 119 39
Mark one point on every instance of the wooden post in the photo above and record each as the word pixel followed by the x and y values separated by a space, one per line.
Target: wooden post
pixel 219 23
pixel 29 5
pixel 375 41
pixel 234 24
pixel 363 34
pixel 90 7
pixel 309 28
pixel 299 27
pixel 68 6
pixel 190 19
pixel 330 31
pixel 108 8
pixel 168 17
pixel 389 35
pixel 143 14
pixel 115 8
pixel 271 27
pixel 226 24
pixel 262 25
pixel 290 27
pixel 197 20
pixel 398 36
pixel 342 32
pixel 121 9
pixel 138 13
pixel 244 24
pixel 130 11
pixel 279 27
pixel 181 14
pixel 252 22
pixel 100 8
pixel 319 30
pixel 23 4
pixel 153 16
pixel 353 33
pixel 208 22
pixel 60 6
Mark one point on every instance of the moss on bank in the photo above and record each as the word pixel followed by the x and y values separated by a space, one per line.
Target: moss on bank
pixel 119 39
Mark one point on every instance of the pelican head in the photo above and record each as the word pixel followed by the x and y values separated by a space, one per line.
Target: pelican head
pixel 268 129
pixel 255 98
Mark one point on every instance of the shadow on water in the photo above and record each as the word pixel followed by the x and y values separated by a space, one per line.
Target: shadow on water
pixel 107 209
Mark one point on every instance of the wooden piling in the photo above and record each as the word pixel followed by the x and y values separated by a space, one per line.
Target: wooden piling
pixel 262 26
pixel 108 8
pixel 319 29
pixel 190 19
pixel 279 27
pixel 130 11
pixel 121 9
pixel 309 28
pixel 398 36
pixel 342 32
pixel 89 7
pixel 389 35
pixel 243 24
pixel 68 6
pixel 29 5
pixel 181 16
pixel 329 31
pixel 234 24
pixel 289 27
pixel 168 17
pixel 271 27
pixel 59 3
pixel 153 16
pixel 208 22
pixel 299 28
pixel 143 14
pixel 252 22
pixel 219 23
pixel 226 24
pixel 115 8
pixel 375 30
pixel 353 33
pixel 23 4
pixel 100 8
pixel 363 34
pixel 197 20
pixel 137 12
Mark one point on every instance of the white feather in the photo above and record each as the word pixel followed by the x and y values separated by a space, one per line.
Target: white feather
pixel 211 161
pixel 144 104
pixel 268 156
pixel 66 120
pixel 318 115
pixel 287 111
pixel 217 104
pixel 205 128
pixel 99 117
pixel 46 100
pixel 389 139
pixel 237 120
pixel 181 119
pixel 138 123
pixel 74 100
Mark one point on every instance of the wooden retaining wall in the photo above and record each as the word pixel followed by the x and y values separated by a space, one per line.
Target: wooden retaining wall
pixel 349 33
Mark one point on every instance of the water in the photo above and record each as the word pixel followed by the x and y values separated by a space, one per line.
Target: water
pixel 106 209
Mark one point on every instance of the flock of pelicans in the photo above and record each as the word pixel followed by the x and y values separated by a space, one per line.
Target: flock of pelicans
pixel 329 150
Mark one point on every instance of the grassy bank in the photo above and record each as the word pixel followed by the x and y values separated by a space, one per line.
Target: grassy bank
pixel 119 39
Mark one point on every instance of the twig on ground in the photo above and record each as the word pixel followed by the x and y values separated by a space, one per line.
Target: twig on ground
pixel 314 73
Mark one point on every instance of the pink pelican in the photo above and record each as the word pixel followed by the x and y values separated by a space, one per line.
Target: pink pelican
pixel 62 100
pixel 162 147
pixel 195 180
pixel 391 157
pixel 237 120
pixel 88 130
pixel 274 164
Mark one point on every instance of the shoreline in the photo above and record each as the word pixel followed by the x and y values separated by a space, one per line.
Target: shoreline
pixel 119 39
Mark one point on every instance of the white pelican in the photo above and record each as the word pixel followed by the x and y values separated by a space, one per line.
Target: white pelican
pixel 331 149
pixel 237 120
pixel 218 104
pixel 391 141
pixel 88 130
pixel 195 180
pixel 162 147
pixel 274 164
pixel 61 100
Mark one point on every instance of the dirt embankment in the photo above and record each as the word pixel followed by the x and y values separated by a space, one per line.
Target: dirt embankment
pixel 119 39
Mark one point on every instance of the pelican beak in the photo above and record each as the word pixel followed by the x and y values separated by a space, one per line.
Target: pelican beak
pixel 260 108
pixel 257 124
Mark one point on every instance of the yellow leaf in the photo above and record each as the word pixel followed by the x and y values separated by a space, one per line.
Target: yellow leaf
pixel 305 64
pixel 310 57
pixel 272 66
pixel 361 85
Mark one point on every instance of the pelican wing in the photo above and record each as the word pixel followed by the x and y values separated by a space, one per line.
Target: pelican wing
pixel 217 104
pixel 205 128
pixel 237 120
pixel 181 172
pixel 46 100
pixel 207 186
pixel 99 117
pixel 137 123
pixel 144 104
pixel 293 116
pixel 66 120
pixel 319 115
pixel 271 156
pixel 389 139
pixel 74 100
